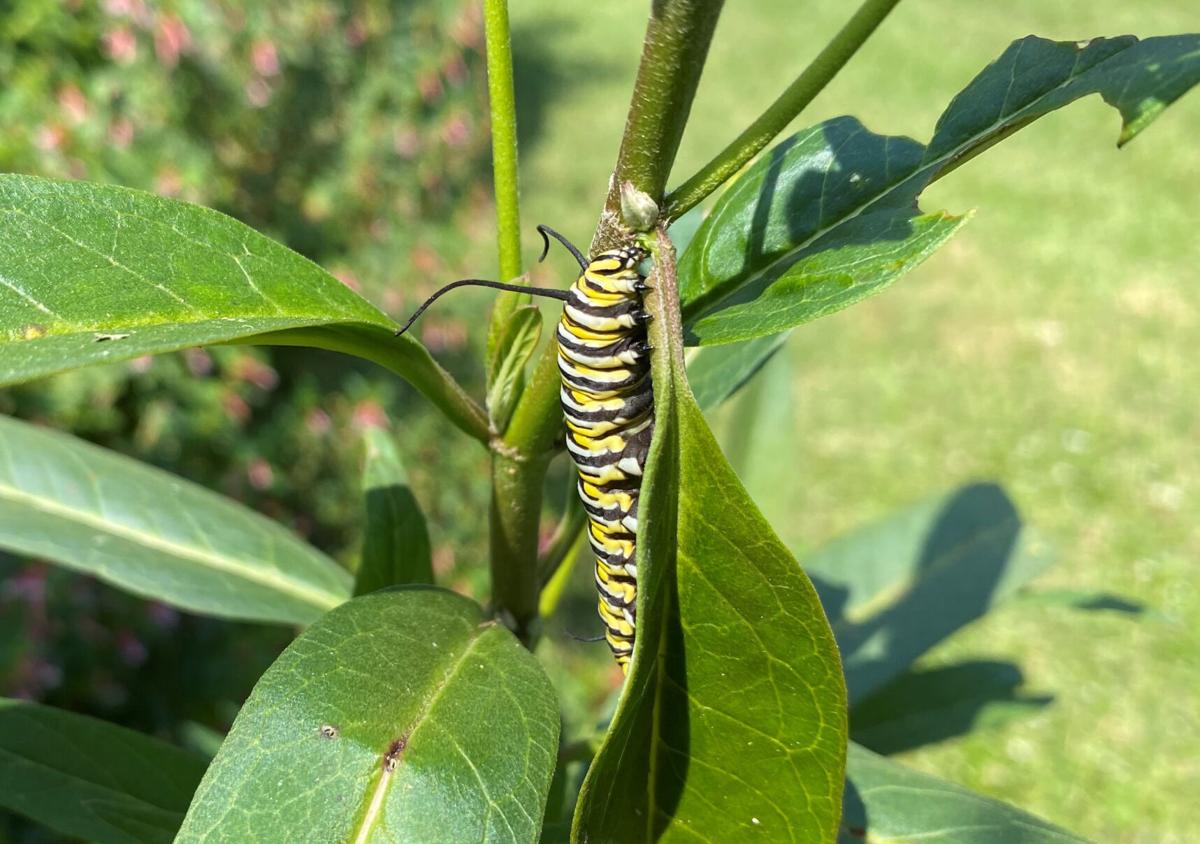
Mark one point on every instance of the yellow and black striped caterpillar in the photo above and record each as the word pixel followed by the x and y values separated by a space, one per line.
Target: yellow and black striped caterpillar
pixel 608 405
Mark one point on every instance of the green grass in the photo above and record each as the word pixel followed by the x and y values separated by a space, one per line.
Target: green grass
pixel 1049 347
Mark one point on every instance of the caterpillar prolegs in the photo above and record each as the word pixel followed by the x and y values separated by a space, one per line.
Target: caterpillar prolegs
pixel 608 406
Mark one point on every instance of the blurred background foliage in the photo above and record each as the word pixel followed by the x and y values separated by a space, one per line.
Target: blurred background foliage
pixel 1047 347
pixel 356 133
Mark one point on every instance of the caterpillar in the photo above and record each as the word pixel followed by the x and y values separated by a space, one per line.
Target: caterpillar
pixel 608 407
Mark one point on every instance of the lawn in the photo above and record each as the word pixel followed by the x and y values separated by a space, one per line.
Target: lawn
pixel 1048 347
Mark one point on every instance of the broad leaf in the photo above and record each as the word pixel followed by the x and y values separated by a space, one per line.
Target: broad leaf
pixel 830 216
pixel 732 723
pixel 93 273
pixel 756 428
pixel 395 540
pixel 931 705
pixel 92 780
pixel 403 715
pixel 155 534
pixel 506 373
pixel 717 372
pixel 886 802
pixel 897 587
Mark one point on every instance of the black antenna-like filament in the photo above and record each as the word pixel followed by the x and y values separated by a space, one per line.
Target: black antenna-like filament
pixel 545 230
pixel 561 295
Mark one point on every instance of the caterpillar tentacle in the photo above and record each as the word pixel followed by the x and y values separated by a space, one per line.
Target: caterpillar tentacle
pixel 608 402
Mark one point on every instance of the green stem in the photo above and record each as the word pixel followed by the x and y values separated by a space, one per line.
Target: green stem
pixel 403 356
pixel 519 461
pixel 516 476
pixel 513 533
pixel 503 107
pixel 781 112
pixel 677 39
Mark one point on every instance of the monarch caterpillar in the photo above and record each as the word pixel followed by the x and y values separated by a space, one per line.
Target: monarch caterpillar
pixel 608 405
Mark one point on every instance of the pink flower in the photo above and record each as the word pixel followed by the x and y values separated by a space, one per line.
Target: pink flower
pixel 171 38
pixel 264 58
pixel 120 44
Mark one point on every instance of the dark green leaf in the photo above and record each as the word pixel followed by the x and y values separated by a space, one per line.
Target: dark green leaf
pixel 732 723
pixel 93 273
pixel 92 780
pixel 396 547
pixel 901 585
pixel 506 374
pixel 858 259
pixel 926 706
pixel 403 715
pixel 886 802
pixel 757 427
pixel 154 534
pixel 830 216
pixel 717 372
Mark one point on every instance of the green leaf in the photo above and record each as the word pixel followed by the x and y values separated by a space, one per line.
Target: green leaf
pixel 717 372
pixel 830 216
pixel 897 587
pixel 732 724
pixel 757 427
pixel 93 273
pixel 396 548
pixel 92 780
pixel 931 705
pixel 506 374
pixel 808 230
pixel 886 802
pixel 401 715
pixel 154 534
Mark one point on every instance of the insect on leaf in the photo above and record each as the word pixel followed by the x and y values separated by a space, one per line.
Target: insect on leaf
pixel 732 652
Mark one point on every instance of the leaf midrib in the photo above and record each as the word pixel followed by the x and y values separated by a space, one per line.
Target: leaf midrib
pixel 323 600
pixel 713 297
pixel 366 826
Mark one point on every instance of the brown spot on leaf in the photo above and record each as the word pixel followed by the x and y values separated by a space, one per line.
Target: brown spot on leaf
pixel 392 757
pixel 329 731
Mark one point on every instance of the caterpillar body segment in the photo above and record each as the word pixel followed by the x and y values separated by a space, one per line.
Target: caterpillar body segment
pixel 608 402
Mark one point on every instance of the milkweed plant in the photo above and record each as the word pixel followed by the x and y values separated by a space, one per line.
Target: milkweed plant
pixel 403 711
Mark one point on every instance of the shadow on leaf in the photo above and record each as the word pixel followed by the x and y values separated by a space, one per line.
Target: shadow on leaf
pixel 925 707
pixel 898 587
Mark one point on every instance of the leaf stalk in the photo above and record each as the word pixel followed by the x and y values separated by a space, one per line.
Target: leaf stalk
pixel 790 103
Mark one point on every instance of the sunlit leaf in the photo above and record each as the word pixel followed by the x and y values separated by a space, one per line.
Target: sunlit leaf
pixel 402 715
pixel 732 723
pixel 897 587
pixel 887 802
pixel 830 216
pixel 93 273
pixel 925 706
pixel 154 534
